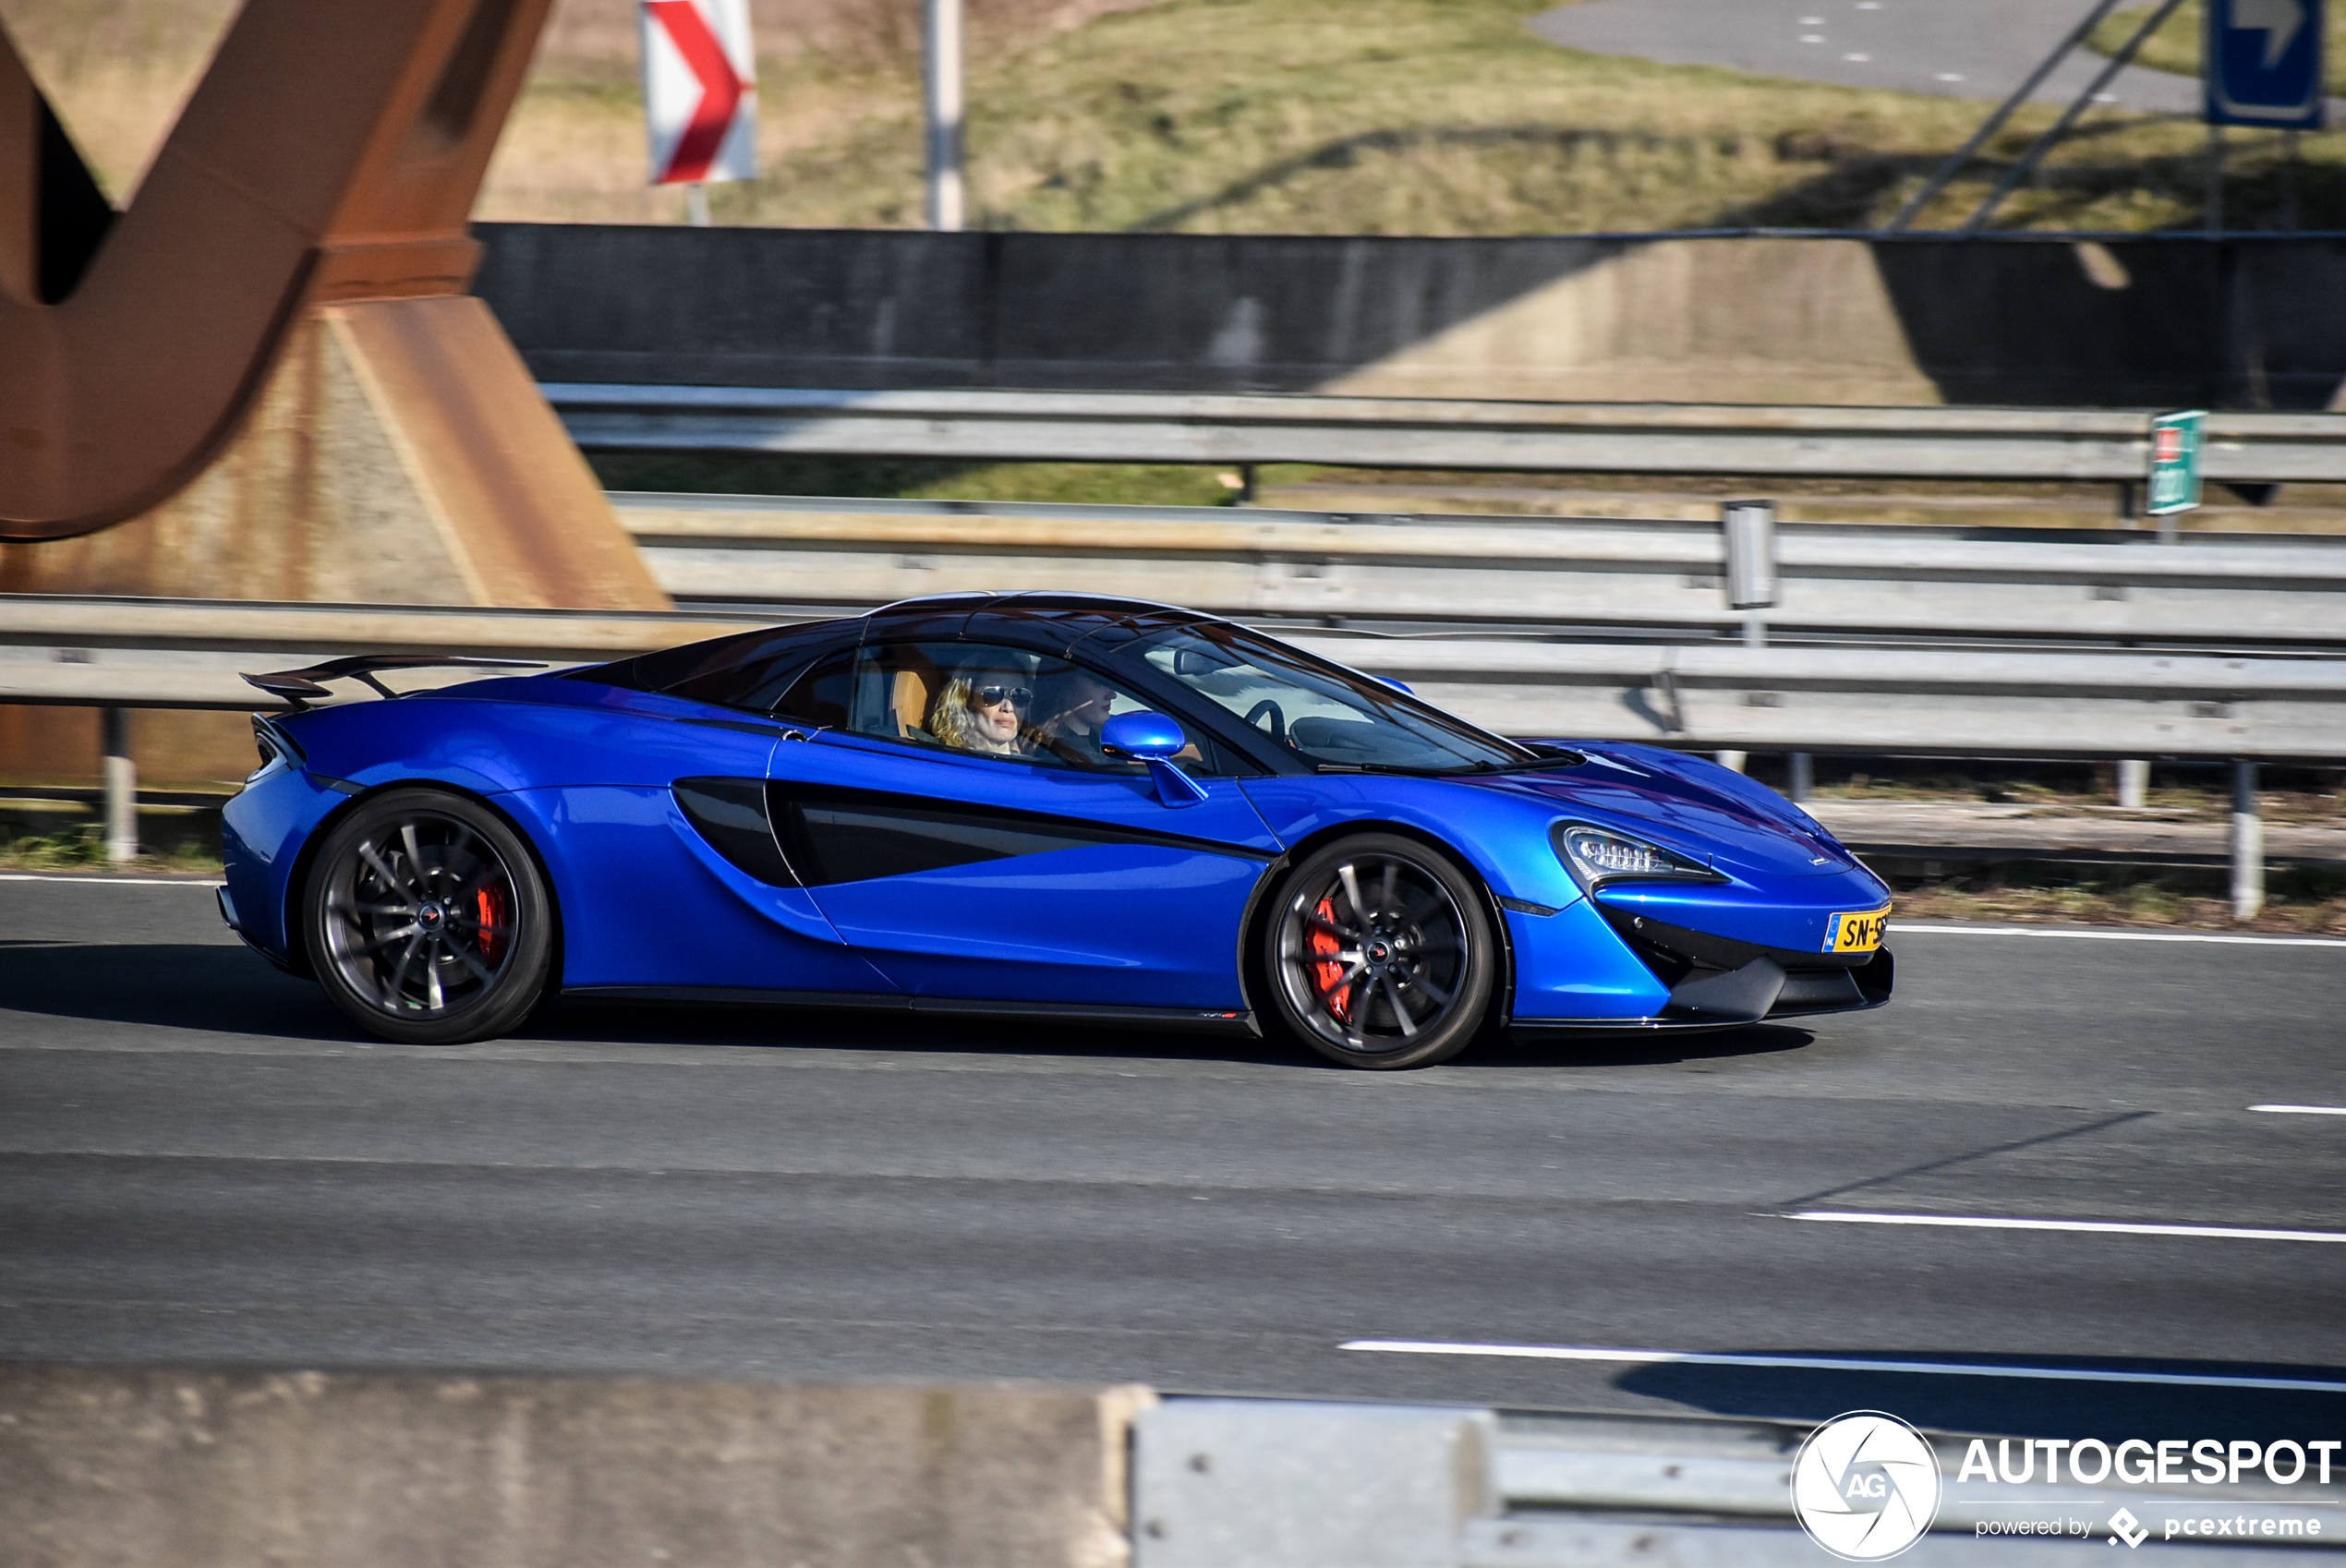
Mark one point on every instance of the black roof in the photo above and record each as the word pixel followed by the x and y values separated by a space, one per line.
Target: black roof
pixel 1057 621
pixel 1045 621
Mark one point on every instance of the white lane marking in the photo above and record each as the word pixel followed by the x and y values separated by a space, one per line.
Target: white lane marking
pixel 2303 1110
pixel 103 881
pixel 2116 1227
pixel 2087 935
pixel 1834 1363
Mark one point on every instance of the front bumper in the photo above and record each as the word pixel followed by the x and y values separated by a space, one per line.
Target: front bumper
pixel 1597 966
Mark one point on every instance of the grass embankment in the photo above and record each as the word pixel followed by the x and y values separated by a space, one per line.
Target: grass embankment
pixel 83 849
pixel 1364 117
pixel 1317 117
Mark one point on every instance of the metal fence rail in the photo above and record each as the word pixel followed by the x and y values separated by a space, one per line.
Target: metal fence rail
pixel 121 654
pixel 991 427
pixel 162 652
pixel 1221 1482
pixel 1838 580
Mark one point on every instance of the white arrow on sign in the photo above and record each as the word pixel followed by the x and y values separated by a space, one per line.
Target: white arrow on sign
pixel 2277 19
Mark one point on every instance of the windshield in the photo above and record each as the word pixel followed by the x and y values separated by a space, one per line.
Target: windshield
pixel 1332 716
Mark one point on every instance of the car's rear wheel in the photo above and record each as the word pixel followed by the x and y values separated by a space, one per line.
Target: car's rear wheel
pixel 427 920
pixel 1380 953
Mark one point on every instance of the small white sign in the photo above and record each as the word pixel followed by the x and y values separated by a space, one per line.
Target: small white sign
pixel 700 91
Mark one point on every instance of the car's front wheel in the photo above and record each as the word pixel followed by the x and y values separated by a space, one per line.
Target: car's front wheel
pixel 427 920
pixel 1380 953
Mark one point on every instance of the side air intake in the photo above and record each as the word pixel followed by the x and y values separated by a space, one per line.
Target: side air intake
pixel 730 814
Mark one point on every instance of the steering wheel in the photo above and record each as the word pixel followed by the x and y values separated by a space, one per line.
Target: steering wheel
pixel 1278 718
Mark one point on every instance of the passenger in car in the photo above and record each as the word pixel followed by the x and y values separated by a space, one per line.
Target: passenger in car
pixel 984 709
pixel 1077 702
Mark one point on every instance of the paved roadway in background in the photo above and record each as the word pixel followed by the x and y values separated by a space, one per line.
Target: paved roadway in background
pixel 199 1163
pixel 1962 48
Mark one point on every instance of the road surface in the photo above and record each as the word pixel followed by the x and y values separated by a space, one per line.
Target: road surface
pixel 1960 48
pixel 199 1163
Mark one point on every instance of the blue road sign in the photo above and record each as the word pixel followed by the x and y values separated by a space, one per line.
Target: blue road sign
pixel 2264 63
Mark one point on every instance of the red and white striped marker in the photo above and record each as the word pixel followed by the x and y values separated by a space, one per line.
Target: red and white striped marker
pixel 700 91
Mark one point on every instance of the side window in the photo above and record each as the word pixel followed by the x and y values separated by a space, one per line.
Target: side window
pixel 822 695
pixel 986 700
pixel 747 674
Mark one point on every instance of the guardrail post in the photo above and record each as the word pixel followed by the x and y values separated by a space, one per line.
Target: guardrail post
pixel 1801 780
pixel 1733 762
pixel 1749 527
pixel 2133 782
pixel 122 787
pixel 2248 844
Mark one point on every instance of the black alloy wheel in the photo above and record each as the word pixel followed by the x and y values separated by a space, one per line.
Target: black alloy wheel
pixel 427 920
pixel 1381 954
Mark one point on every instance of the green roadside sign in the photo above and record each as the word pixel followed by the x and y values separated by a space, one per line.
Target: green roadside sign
pixel 2175 441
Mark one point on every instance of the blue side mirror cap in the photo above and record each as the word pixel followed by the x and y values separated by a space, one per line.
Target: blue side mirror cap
pixel 1155 740
pixel 1146 737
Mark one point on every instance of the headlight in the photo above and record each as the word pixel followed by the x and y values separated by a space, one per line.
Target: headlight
pixel 1598 855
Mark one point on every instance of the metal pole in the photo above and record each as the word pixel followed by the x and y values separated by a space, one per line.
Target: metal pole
pixel 941 29
pixel 2133 782
pixel 122 787
pixel 1802 782
pixel 1748 533
pixel 2248 844
pixel 1733 762
pixel 1994 123
pixel 2059 128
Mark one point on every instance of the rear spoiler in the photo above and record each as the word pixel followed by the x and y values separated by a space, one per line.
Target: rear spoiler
pixel 301 687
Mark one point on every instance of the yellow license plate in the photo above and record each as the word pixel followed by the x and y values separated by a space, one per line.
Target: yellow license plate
pixel 1857 933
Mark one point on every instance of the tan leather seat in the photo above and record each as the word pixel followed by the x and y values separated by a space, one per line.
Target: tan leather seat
pixel 918 683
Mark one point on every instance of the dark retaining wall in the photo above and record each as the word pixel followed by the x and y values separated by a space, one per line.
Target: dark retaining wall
pixel 2161 321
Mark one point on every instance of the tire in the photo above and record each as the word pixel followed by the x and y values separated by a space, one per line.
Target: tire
pixel 1406 986
pixel 427 920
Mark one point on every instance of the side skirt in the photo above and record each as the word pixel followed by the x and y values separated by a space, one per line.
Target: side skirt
pixel 1523 1029
pixel 1239 1021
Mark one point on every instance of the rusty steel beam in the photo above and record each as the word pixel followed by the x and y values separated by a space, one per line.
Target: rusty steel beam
pixel 330 155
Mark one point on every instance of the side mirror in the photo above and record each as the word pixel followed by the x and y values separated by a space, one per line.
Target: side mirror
pixel 1155 740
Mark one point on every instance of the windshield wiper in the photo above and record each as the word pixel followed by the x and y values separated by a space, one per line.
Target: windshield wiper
pixel 1561 759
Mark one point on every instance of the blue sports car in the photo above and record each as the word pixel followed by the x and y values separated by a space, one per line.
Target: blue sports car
pixel 1030 805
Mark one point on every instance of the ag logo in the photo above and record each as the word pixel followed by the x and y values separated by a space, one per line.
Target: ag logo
pixel 1865 1486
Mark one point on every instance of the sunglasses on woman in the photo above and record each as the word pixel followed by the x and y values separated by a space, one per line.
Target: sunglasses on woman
pixel 994 697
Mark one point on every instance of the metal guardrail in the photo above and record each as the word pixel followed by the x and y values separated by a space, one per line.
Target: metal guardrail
pixel 1597 576
pixel 980 426
pixel 1218 1482
pixel 185 654
pixel 121 654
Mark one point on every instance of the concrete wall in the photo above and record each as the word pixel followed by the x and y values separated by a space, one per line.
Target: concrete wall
pixel 104 1468
pixel 2164 321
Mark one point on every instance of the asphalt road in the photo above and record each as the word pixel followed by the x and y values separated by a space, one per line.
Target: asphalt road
pixel 1959 48
pixel 199 1163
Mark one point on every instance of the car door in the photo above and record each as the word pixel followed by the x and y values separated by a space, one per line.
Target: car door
pixel 1038 871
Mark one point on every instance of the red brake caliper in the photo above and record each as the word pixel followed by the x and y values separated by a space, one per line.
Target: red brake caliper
pixel 493 905
pixel 1339 1002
